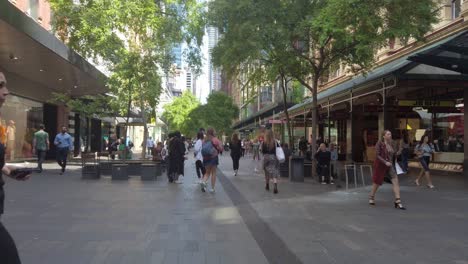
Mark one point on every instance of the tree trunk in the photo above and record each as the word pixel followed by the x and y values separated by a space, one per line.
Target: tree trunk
pixel 145 126
pixel 285 108
pixel 314 122
pixel 88 140
pixel 126 124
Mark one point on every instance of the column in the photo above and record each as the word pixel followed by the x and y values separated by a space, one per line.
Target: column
pixel 464 9
pixel 465 137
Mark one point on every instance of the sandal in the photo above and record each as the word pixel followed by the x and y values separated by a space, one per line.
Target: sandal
pixel 398 204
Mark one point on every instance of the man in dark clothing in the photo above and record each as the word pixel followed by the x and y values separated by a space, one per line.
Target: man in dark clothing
pixel 8 251
pixel 303 146
pixel 176 158
pixel 323 157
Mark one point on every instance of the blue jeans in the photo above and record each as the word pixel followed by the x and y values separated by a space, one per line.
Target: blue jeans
pixel 62 154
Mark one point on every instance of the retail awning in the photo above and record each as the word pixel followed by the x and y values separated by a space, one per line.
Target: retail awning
pixel 268 111
pixel 452 55
pixel 396 67
pixel 37 63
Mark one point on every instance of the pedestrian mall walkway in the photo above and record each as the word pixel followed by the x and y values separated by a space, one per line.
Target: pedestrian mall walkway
pixel 63 219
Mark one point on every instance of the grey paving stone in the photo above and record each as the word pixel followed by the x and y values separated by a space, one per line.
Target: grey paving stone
pixel 63 219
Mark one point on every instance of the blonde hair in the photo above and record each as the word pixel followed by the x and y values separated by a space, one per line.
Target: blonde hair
pixel 210 133
pixel 270 139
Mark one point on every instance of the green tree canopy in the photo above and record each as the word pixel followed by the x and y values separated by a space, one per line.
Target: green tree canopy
pixel 219 112
pixel 187 115
pixel 133 38
pixel 177 113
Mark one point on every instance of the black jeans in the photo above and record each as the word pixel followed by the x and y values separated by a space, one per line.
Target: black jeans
pixel 235 162
pixel 8 250
pixel 200 168
pixel 62 154
pixel 41 154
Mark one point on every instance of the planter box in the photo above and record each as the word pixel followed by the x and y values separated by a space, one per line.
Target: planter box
pixel 148 172
pixel 90 172
pixel 120 172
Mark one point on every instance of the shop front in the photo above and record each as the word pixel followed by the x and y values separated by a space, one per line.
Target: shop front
pixel 437 110
pixel 406 97
pixel 19 119
pixel 36 65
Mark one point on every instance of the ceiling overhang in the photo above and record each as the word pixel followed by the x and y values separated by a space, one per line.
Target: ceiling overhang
pixel 37 59
pixel 452 55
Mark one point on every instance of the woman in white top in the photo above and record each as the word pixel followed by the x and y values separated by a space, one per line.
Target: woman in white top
pixel 198 156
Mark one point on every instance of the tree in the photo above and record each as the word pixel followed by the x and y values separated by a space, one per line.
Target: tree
pixel 218 113
pixel 303 39
pixel 177 113
pixel 133 38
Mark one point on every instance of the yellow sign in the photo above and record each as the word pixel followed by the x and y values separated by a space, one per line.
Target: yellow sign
pixel 426 103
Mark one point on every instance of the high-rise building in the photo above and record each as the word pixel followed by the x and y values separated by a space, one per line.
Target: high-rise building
pixel 177 55
pixel 214 74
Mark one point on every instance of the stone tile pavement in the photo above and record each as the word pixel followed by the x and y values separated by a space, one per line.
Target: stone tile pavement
pixel 63 219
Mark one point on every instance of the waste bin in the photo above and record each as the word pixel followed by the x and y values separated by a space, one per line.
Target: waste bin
pixel 307 168
pixel 296 169
pixel 148 172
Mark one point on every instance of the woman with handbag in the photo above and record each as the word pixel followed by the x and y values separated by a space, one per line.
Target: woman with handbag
pixel 270 161
pixel 424 151
pixel 384 167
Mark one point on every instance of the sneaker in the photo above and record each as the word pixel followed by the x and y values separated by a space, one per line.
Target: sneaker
pixel 203 186
pixel 212 190
pixel 179 182
pixel 324 182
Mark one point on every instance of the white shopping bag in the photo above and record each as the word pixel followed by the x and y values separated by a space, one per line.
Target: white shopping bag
pixel 398 169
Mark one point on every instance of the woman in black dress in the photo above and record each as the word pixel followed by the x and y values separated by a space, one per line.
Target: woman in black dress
pixel 236 152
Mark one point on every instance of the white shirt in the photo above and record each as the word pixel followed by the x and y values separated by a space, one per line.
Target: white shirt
pixel 149 143
pixel 197 148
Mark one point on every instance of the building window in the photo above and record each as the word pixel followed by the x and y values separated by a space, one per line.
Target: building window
pixel 189 80
pixel 266 95
pixel 33 9
pixel 20 119
pixel 456 8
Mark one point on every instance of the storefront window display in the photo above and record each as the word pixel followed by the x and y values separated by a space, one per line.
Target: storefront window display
pixel 441 117
pixel 19 120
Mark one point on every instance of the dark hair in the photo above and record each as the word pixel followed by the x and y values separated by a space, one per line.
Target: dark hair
pixel 235 138
pixel 41 126
pixel 182 138
pixel 422 139
pixel 200 135
pixel 405 137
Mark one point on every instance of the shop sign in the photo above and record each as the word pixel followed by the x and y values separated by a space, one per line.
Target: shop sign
pixel 272 121
pixel 426 103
